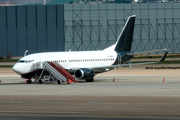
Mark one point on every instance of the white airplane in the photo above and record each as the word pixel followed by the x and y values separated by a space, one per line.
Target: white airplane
pixel 86 64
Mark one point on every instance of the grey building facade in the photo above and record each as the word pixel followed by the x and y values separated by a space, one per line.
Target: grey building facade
pixel 36 28
pixel 41 28
pixel 89 27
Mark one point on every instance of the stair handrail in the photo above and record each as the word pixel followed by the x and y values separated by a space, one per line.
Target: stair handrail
pixel 53 71
pixel 64 71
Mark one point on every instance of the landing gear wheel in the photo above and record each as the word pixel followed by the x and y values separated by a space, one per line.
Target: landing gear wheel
pixel 90 80
pixel 40 81
pixel 29 81
pixel 58 82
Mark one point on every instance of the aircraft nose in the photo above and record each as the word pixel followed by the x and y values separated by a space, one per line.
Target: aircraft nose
pixel 17 68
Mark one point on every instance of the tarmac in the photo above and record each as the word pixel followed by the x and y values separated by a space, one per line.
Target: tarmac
pixel 124 93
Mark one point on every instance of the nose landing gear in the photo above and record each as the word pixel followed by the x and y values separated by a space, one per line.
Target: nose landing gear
pixel 58 82
pixel 40 81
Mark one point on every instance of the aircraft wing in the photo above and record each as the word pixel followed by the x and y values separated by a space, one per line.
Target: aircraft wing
pixel 145 52
pixel 106 68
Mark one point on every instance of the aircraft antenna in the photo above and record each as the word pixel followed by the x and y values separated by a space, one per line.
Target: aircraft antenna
pixel 25 52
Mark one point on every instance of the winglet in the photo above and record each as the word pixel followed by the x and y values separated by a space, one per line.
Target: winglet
pixel 164 56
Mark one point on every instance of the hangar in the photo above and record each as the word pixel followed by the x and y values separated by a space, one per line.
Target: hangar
pixel 40 28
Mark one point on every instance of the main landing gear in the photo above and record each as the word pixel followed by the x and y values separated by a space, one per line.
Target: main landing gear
pixel 90 80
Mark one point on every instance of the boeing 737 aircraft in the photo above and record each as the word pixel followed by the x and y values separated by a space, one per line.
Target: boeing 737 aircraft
pixel 81 63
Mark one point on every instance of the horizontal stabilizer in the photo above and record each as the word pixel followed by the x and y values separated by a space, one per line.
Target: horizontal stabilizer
pixel 145 52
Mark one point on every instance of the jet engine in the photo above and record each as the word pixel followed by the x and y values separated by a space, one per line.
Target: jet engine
pixel 84 73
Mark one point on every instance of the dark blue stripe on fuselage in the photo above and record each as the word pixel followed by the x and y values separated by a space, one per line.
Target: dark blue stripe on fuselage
pixel 123 57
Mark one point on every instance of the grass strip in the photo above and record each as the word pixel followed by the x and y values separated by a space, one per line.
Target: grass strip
pixel 6 66
pixel 159 56
pixel 9 60
pixel 164 62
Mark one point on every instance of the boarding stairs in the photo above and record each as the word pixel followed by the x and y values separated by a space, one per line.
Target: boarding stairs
pixel 54 72
pixel 58 72
pixel 61 70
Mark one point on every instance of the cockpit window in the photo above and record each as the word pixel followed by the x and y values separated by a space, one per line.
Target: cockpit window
pixel 21 61
pixel 25 61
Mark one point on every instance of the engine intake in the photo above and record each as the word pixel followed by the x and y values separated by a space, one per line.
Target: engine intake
pixel 84 73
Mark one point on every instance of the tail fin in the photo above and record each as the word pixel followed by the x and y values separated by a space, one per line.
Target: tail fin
pixel 124 40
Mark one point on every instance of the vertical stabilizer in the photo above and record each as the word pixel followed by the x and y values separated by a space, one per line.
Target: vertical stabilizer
pixel 124 40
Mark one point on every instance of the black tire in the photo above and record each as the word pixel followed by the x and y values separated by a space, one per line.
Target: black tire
pixel 40 81
pixel 90 80
pixel 58 82
pixel 29 81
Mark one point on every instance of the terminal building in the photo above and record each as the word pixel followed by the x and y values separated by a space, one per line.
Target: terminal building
pixel 51 28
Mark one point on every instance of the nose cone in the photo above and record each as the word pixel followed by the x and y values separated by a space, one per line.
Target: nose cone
pixel 18 68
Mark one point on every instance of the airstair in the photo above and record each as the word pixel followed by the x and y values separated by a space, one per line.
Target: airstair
pixel 56 70
pixel 62 71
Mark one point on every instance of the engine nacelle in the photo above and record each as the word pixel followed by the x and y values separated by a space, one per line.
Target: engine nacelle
pixel 84 73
